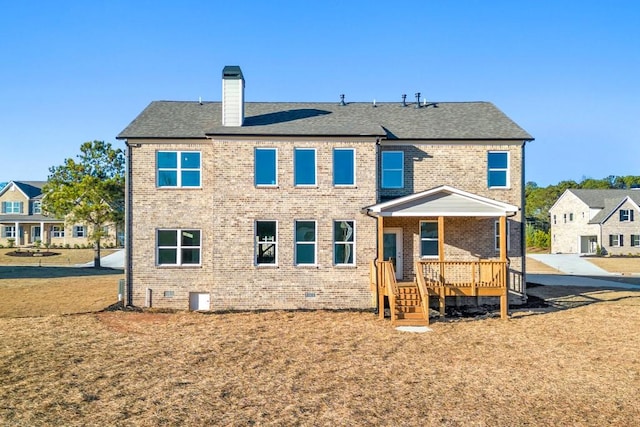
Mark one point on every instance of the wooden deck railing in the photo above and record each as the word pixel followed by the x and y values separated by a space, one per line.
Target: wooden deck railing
pixel 385 280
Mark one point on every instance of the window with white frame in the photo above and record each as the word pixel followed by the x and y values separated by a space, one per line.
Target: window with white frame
pixel 12 207
pixel 266 166
pixel 344 243
pixel 305 242
pixel 570 216
pixel 429 239
pixel 635 240
pixel 266 242
pixel 498 169
pixel 497 235
pixel 304 166
pixel 178 168
pixel 9 231
pixel 344 166
pixel 616 240
pixel 37 208
pixel 392 169
pixel 57 231
pixel 79 231
pixel 626 215
pixel 178 247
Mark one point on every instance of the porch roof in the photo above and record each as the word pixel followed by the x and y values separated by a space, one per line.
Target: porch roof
pixel 442 201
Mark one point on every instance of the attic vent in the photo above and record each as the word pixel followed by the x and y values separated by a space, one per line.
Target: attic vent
pixel 404 99
pixel 342 100
pixel 417 99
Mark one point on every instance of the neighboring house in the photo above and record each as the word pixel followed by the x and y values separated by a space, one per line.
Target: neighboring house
pixel 23 222
pixel 584 220
pixel 266 205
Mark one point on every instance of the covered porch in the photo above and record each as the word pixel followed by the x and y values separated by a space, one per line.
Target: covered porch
pixel 436 244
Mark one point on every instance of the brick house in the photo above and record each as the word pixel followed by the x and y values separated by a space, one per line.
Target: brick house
pixel 265 205
pixel 583 220
pixel 23 222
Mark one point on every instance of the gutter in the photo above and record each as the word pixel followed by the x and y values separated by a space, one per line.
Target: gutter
pixel 128 228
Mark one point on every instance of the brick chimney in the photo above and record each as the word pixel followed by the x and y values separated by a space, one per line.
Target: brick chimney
pixel 232 96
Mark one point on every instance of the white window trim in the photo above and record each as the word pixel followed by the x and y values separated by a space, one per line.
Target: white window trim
pixel 315 167
pixel 37 208
pixel 496 235
pixel 255 166
pixel 178 169
pixel 257 243
pixel 353 152
pixel 382 169
pixel 178 248
pixel 57 231
pixel 635 240
pixel 76 231
pixel 353 243
pixel 427 239
pixel 507 170
pixel 618 238
pixel 9 231
pixel 314 243
pixel 627 213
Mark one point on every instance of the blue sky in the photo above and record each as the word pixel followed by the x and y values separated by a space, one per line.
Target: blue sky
pixel 566 71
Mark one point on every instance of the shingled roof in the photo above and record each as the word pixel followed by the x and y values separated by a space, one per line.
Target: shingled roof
pixel 436 121
pixel 607 200
pixel 31 189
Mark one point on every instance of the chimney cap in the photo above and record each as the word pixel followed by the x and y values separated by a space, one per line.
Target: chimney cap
pixel 232 72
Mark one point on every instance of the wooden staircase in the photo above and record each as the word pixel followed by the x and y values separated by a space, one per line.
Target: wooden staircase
pixel 408 306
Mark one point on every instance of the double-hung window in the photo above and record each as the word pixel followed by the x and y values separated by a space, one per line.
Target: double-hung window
pixel 266 170
pixel 178 247
pixel 498 169
pixel 392 169
pixel 37 208
pixel 616 240
pixel 344 166
pixel 57 231
pixel 266 242
pixel 178 168
pixel 9 231
pixel 497 235
pixel 626 215
pixel 305 243
pixel 635 240
pixel 79 231
pixel 11 207
pixel 429 239
pixel 304 166
pixel 344 243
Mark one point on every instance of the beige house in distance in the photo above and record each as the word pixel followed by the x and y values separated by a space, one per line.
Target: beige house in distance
pixel 268 205
pixel 584 220
pixel 23 222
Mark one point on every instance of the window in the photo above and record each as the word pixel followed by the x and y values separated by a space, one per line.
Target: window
pixel 304 166
pixel 78 231
pixel 266 242
pixel 626 215
pixel 178 168
pixel 616 240
pixel 266 171
pixel 571 217
pixel 429 239
pixel 305 241
pixel 497 235
pixel 9 231
pixel 344 171
pixel 178 247
pixel 57 231
pixel 392 169
pixel 11 207
pixel 498 173
pixel 564 218
pixel 37 208
pixel 343 243
pixel 635 240
pixel 554 219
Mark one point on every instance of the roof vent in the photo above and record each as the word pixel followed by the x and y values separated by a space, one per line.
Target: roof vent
pixel 404 99
pixel 417 99
pixel 232 96
pixel 342 103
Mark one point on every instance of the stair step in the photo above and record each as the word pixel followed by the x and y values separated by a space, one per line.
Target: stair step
pixel 410 322
pixel 409 315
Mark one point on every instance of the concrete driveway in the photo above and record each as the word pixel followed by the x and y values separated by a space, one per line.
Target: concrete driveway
pixel 114 260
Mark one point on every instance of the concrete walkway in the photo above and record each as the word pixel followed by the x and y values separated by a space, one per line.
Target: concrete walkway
pixel 570 264
pixel 114 260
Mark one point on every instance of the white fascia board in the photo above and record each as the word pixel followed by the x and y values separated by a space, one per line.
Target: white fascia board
pixel 447 214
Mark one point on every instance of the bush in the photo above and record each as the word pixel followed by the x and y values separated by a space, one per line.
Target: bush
pixel 11 242
pixel 37 243
pixel 67 246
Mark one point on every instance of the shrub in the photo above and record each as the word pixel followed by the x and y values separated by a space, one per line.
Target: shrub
pixel 67 246
pixel 37 243
pixel 11 242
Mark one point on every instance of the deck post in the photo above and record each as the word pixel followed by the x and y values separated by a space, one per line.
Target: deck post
pixel 504 298
pixel 380 274
pixel 442 298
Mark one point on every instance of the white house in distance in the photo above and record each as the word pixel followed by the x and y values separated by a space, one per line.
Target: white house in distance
pixel 584 220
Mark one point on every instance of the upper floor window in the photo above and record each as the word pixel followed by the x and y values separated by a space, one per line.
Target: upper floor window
pixel 266 170
pixel 178 168
pixel 343 242
pixel 392 169
pixel 304 166
pixel 626 215
pixel 498 169
pixel 570 216
pixel 266 242
pixel 37 208
pixel 305 242
pixel 79 231
pixel 616 240
pixel 12 207
pixel 429 239
pixel 497 236
pixel 344 171
pixel 554 219
pixel 178 247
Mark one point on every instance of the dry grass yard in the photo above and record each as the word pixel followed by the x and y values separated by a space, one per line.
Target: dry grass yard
pixel 63 257
pixel 622 265
pixel 574 362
